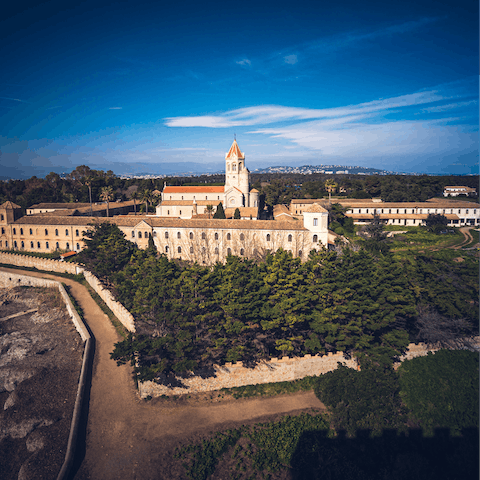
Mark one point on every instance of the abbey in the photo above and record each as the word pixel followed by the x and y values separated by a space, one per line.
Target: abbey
pixel 187 202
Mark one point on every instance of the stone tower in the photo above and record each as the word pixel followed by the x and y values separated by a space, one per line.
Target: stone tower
pixel 236 174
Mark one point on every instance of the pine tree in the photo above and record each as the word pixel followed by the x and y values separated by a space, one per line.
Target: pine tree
pixel 220 213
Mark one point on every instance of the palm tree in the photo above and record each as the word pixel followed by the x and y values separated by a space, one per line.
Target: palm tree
pixel 106 195
pixel 146 197
pixel 330 186
pixel 135 196
pixel 209 210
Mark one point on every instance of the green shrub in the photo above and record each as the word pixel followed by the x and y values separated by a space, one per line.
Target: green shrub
pixel 441 389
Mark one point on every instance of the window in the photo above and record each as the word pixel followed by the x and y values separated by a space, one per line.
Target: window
pixel 166 234
pixel 465 212
pixel 268 237
pixel 204 236
pixel 15 244
pixel 78 246
pixel 139 234
pixel 47 245
pixel 367 211
pixel 179 249
pixel 23 245
pixel 76 233
pixel 182 197
pixel 180 212
pixel 56 232
pixel 315 222
pixel 154 234
pixel 31 244
pixel 68 246
pixel 3 230
pixel 21 230
pixel 38 244
pixel 191 235
pixel 66 232
pixel 204 251
pixel 206 197
pixel 133 234
pixel 315 238
pixel 6 243
pixel 229 237
pixel 179 235
pixel 168 212
pixel 31 233
pixel 191 249
pixel 216 250
pixel 14 231
pixel 242 237
pixel 146 234
pixel 166 248
pixel 300 253
pixel 216 236
pixel 229 251
pixel 1 217
pixel 241 251
pixel 57 245
pixel 289 238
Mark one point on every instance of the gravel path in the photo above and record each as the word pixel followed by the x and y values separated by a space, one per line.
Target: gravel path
pixel 129 438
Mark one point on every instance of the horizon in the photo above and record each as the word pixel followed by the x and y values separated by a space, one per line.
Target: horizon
pixel 149 88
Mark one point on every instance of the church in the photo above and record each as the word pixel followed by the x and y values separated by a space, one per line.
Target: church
pixel 188 202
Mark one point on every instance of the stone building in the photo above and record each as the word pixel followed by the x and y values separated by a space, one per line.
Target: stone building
pixel 186 202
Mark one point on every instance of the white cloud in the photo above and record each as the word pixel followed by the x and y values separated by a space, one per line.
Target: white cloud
pixel 115 108
pixel 290 59
pixel 244 62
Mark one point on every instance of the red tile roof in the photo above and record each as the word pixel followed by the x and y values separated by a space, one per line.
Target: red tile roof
pixel 194 189
pixel 235 151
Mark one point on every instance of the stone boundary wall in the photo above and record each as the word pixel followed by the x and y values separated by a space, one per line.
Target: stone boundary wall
pixel 10 280
pixel 123 315
pixel 47 264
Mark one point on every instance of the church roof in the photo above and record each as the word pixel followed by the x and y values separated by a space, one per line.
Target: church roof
pixel 8 204
pixel 235 151
pixel 315 208
pixel 201 189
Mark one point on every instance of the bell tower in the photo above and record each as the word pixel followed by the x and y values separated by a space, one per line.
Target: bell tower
pixel 236 174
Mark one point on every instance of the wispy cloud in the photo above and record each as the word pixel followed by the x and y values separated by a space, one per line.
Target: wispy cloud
pixel 290 59
pixel 244 62
pixel 115 108
pixel 14 99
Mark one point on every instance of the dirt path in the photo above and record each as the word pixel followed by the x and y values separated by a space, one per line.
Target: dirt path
pixel 126 436
pixel 467 238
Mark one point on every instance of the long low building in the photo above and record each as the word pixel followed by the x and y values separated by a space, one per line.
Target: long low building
pixel 203 240
pixel 458 213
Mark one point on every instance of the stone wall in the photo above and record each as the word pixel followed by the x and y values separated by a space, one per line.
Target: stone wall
pixel 123 315
pixel 9 280
pixel 46 264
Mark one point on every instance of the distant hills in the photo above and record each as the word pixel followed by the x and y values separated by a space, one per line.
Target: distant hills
pixel 328 169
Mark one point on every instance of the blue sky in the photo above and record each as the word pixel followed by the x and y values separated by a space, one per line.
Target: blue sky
pixel 151 86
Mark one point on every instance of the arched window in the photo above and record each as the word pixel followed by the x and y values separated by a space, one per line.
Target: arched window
pixel 57 245
pixel 289 238
pixel 234 167
pixel 204 236
pixel 191 235
pixel 78 246
pixel 179 249
pixel 31 233
pixel 241 251
pixel 139 234
pixel 206 197
pixel 38 244
pixel 47 245
pixel 76 233
pixel 3 231
pixel 179 235
pixel 204 250
pixel 21 230
pixel 315 238
pixel 216 236
pixel 154 234
pixel 56 232
pixel 180 212
pixel 191 249
pixel 14 244
pixel 66 232
pixel 168 212
pixel 268 237
pixel 146 235
pixel 133 234
pixel 229 237
pixel 228 168
pixel 14 231
pixel 300 253
pixel 216 250
pixel 166 234
pixel 31 244
pixel 68 246
pixel 166 248
pixel 1 217
pixel 23 245
pixel 229 251
pixel 242 237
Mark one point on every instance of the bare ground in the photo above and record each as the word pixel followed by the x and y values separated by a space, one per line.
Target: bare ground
pixel 130 438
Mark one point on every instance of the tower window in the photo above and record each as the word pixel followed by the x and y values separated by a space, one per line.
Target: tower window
pixel 191 235
pixel 315 222
pixel 289 238
pixel 268 237
pixel 229 237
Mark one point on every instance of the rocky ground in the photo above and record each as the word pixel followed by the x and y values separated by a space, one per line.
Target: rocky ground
pixel 40 362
